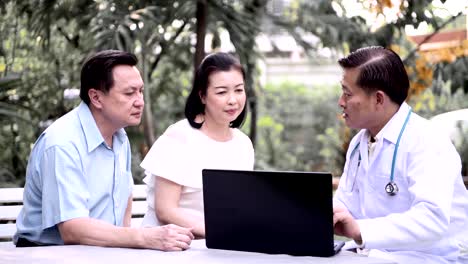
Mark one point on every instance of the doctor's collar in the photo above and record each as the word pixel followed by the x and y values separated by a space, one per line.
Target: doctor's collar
pixel 392 128
pixel 371 139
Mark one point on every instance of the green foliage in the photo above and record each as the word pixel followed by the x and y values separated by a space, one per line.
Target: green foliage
pixel 439 99
pixel 299 128
pixel 456 72
pixel 43 44
pixel 319 18
pixel 32 83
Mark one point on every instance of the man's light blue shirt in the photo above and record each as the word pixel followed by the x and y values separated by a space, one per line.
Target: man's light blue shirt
pixel 72 173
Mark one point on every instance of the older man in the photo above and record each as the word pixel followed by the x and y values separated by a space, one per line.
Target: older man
pixel 78 181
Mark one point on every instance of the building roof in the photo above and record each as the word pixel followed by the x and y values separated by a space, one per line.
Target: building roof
pixel 440 39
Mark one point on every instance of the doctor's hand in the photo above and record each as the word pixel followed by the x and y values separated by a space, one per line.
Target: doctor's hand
pixel 345 225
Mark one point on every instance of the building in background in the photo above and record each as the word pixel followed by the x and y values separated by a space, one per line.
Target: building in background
pixel 445 45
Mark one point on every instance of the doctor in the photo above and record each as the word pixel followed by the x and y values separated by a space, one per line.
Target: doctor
pixel 401 195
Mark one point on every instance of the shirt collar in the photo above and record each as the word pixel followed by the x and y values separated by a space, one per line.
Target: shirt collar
pixel 92 134
pixel 393 127
pixel 119 139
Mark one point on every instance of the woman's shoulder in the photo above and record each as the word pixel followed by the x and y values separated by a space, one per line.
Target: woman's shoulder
pixel 178 131
pixel 167 148
pixel 239 135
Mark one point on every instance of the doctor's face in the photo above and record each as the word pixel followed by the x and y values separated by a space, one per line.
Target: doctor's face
pixel 358 106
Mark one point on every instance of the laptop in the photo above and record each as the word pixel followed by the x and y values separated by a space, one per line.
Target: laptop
pixel 269 212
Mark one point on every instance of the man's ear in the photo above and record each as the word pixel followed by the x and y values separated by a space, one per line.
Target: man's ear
pixel 95 98
pixel 380 97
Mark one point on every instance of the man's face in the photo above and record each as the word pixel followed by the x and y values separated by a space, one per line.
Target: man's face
pixel 123 105
pixel 358 106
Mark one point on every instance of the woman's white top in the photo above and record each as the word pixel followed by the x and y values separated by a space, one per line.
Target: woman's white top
pixel 180 155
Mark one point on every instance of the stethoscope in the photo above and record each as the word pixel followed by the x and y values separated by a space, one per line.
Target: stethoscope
pixel 391 188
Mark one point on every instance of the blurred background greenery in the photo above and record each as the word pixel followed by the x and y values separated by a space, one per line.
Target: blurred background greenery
pixel 288 47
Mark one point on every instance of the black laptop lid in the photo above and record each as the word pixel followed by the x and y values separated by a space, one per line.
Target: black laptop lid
pixel 269 212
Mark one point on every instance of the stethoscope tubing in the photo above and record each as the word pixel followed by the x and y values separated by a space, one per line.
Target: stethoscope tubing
pixel 394 187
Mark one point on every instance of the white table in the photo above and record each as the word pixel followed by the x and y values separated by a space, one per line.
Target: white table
pixel 198 253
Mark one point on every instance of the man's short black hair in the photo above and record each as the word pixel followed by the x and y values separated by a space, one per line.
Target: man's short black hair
pixel 379 69
pixel 96 72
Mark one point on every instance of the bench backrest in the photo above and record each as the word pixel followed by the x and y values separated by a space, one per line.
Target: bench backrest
pixel 11 202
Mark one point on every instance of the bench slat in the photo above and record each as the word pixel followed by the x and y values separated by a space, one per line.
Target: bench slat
pixel 139 191
pixel 10 212
pixel 11 195
pixel 15 195
pixel 139 208
pixel 7 231
pixel 136 222
pixel 7 244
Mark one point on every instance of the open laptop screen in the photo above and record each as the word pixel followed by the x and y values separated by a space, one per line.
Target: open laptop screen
pixel 269 211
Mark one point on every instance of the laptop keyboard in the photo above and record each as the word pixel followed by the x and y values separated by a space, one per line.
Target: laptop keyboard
pixel 337 245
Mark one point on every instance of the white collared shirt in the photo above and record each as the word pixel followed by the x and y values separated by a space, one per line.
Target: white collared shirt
pixel 432 202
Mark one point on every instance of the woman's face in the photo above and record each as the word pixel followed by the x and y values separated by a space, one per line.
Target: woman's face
pixel 225 96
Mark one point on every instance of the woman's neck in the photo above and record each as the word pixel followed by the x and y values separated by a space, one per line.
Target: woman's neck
pixel 216 131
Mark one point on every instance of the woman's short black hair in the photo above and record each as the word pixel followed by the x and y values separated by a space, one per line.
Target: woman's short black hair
pixel 96 72
pixel 379 69
pixel 212 63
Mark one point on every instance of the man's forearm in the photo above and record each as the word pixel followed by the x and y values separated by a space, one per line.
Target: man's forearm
pixel 88 231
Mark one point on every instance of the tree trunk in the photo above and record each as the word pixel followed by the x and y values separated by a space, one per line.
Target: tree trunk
pixel 253 119
pixel 148 125
pixel 202 10
pixel 256 9
pixel 252 95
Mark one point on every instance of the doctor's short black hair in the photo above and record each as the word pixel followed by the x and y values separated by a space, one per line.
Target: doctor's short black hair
pixel 96 72
pixel 379 69
pixel 212 63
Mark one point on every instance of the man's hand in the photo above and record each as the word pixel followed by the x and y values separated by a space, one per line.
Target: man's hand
pixel 345 225
pixel 168 238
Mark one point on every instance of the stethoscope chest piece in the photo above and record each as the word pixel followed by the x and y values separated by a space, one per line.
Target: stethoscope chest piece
pixel 391 188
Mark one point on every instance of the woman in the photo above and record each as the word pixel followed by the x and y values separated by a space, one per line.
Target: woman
pixel 208 138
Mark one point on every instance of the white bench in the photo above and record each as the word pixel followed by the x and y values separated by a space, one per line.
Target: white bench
pixel 11 202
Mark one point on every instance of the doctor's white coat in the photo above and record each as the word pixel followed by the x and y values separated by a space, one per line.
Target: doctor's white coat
pixel 420 222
